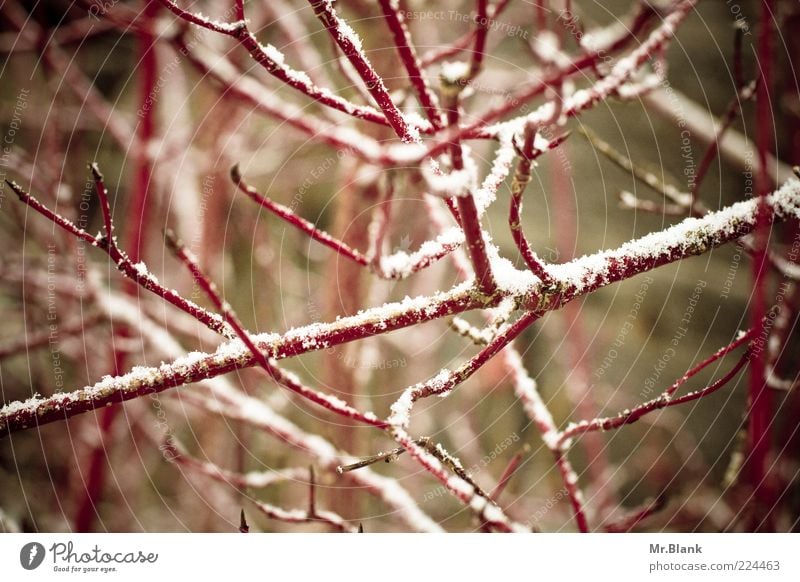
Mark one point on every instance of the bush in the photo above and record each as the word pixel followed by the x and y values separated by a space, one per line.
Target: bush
pixel 359 192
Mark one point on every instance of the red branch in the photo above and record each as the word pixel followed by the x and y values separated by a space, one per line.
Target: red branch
pixel 137 273
pixel 272 62
pixel 759 413
pixel 283 378
pixel 467 211
pixel 408 56
pixel 666 399
pixel 482 31
pixel 522 176
pixel 350 44
pixel 288 215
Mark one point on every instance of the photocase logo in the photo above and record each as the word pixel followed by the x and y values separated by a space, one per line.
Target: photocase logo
pixel 31 555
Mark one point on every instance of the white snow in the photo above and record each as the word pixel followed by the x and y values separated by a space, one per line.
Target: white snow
pixel 511 280
pixel 527 391
pixel 402 264
pixel 454 72
pixel 504 157
pixel 622 70
pixel 689 235
pixel 453 183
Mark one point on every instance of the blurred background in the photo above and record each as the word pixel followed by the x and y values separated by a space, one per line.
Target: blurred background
pixel 101 81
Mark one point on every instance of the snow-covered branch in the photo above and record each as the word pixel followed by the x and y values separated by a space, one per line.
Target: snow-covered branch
pixel 691 237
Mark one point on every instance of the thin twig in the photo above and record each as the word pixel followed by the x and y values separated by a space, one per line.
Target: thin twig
pixel 408 56
pixel 665 400
pixel 288 215
pixel 350 44
pixel 522 176
pixel 481 32
pixel 268 365
pixel 137 273
pixel 467 211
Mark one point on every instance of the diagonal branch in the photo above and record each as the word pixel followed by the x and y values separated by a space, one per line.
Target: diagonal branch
pixel 408 56
pixel 693 236
pixel 666 399
pixel 272 60
pixel 581 100
pixel 467 210
pixel 135 272
pixel 237 85
pixel 268 365
pixel 396 266
pixel 350 43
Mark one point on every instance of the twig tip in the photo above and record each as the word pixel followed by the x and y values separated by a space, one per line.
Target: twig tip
pixel 95 169
pixel 173 242
pixel 236 174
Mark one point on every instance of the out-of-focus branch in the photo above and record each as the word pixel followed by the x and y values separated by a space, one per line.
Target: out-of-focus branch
pixel 218 396
pixel 734 147
pixel 175 454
